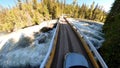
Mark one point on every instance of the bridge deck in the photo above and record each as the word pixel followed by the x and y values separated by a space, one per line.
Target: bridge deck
pixel 68 41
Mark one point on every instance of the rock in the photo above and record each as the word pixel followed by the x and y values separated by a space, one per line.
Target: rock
pixel 42 38
pixel 45 29
pixel 50 27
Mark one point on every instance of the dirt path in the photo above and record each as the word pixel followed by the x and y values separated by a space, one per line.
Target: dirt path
pixel 67 42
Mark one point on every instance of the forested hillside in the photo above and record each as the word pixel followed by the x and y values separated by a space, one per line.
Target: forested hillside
pixel 32 12
pixel 111 47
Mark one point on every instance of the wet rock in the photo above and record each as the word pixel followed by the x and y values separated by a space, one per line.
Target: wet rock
pixel 55 25
pixel 50 27
pixel 45 29
pixel 42 38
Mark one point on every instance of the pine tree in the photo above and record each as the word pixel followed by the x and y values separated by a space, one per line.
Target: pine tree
pixel 34 4
pixel 111 47
pixel 74 2
pixel 27 2
pixel 91 10
pixel 94 12
pixel 45 10
pixel 20 4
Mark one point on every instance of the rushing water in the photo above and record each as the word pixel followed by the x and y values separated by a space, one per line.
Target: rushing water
pixel 28 47
pixel 93 31
pixel 25 48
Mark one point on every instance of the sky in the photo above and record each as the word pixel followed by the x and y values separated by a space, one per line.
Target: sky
pixel 105 3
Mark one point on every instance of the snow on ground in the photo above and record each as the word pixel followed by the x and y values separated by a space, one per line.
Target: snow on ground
pixel 93 31
pixel 25 47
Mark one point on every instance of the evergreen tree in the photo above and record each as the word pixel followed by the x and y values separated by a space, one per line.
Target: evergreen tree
pixel 82 11
pixel 110 49
pixel 94 12
pixel 20 4
pixel 34 4
pixel 32 12
pixel 91 10
pixel 27 2
pixel 74 2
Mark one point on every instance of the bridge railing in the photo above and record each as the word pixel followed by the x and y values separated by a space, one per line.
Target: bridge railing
pixel 93 49
pixel 43 64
